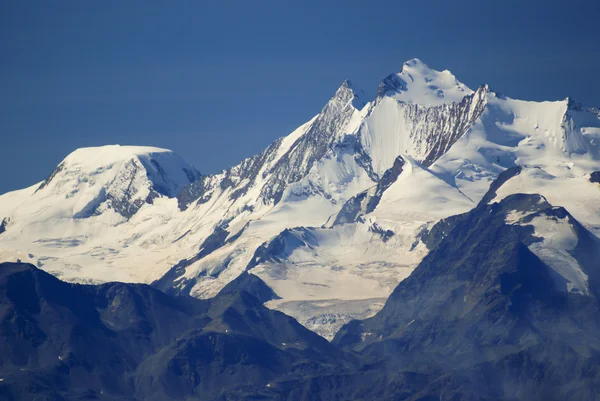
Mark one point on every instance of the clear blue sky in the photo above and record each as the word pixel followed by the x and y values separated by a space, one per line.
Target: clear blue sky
pixel 217 81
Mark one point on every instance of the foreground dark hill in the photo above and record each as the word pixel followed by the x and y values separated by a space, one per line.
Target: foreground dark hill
pixel 122 341
pixel 484 318
pixel 504 307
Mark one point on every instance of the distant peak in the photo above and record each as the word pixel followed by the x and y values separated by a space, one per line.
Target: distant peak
pixel 418 83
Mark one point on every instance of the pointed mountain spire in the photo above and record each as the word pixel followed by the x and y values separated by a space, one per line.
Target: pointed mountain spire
pixel 348 93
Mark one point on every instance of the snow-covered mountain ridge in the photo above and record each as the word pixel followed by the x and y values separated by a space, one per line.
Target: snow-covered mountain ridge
pixel 329 216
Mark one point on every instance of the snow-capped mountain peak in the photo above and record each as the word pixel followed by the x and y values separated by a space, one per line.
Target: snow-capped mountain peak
pixel 91 181
pixel 96 204
pixel 419 84
pixel 165 169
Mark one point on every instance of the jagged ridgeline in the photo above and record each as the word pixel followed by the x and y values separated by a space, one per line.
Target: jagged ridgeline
pixel 331 217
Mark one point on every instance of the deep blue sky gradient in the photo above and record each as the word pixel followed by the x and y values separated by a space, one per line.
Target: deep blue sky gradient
pixel 217 81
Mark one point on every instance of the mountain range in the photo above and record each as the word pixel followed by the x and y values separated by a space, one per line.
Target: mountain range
pixel 440 237
pixel 482 317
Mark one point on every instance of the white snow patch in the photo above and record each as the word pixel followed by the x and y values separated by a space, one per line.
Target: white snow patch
pixel 515 216
pixel 559 240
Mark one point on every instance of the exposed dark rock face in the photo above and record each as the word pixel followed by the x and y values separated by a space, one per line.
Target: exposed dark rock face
pixel 366 201
pixel 350 144
pixel 595 176
pixel 282 245
pixel 196 191
pixel 448 122
pixel 252 285
pixel 436 129
pixel 167 282
pixel 247 172
pixel 498 182
pixel 214 241
pixel 121 200
pixel 389 177
pixel 383 233
pixel 390 85
pixel 56 171
pixel 352 209
pixel 438 232
pixel 574 105
pixel 122 195
pixel 4 224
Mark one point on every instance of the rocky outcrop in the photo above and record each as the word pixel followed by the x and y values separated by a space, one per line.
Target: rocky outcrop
pixel 366 201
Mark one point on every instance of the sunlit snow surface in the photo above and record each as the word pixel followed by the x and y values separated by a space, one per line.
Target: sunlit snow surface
pixel 558 241
pixel 110 213
pixel 419 84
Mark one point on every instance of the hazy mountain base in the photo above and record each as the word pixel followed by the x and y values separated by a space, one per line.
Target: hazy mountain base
pixel 124 341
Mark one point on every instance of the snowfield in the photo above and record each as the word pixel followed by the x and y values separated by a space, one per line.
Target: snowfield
pixel 329 216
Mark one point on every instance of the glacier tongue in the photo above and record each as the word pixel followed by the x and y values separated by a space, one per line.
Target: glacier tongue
pixel 330 216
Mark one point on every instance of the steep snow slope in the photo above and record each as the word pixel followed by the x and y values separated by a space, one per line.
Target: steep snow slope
pixel 329 216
